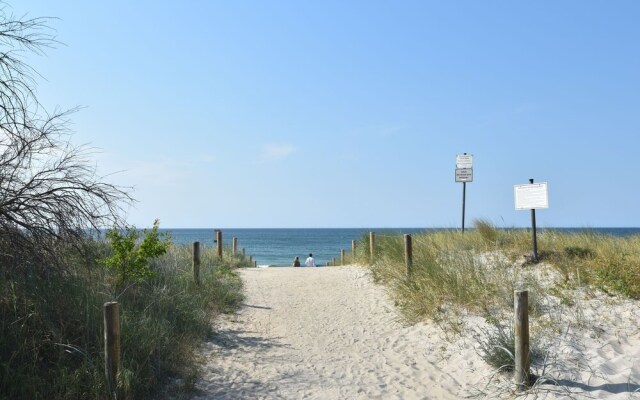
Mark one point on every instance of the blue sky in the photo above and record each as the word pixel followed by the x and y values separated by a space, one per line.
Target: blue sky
pixel 351 113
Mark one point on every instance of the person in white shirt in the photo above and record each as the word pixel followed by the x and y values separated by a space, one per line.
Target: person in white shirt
pixel 310 262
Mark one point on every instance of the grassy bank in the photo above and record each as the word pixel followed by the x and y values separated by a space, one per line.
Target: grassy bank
pixel 51 325
pixel 475 273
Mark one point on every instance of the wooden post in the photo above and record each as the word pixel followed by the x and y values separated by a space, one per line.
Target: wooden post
pixel 408 254
pixel 255 264
pixel 111 345
pixel 334 261
pixel 372 246
pixel 219 241
pixel 342 256
pixel 196 262
pixel 353 251
pixel 250 259
pixel 522 361
pixel 235 246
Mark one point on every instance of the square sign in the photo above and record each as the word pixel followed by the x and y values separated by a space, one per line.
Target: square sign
pixel 464 161
pixel 464 174
pixel 531 196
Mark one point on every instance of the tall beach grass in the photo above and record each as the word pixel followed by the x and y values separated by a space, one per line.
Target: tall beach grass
pixel 457 274
pixel 51 332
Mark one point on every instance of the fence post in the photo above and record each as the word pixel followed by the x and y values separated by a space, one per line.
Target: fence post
pixel 334 261
pixel 196 262
pixel 522 361
pixel 408 254
pixel 343 254
pixel 111 345
pixel 372 246
pixel 219 241
pixel 235 246
pixel 353 251
pixel 250 259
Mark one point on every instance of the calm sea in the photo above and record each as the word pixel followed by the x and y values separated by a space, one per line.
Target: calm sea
pixel 278 247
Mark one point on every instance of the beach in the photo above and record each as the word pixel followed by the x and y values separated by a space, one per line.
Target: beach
pixel 332 333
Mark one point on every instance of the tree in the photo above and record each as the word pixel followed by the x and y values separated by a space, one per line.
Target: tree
pixel 49 190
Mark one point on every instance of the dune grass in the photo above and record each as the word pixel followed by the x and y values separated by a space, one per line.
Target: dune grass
pixel 51 344
pixel 478 271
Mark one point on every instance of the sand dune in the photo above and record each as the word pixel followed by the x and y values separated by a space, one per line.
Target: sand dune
pixel 331 333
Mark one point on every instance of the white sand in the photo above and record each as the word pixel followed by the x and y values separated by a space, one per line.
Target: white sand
pixel 330 333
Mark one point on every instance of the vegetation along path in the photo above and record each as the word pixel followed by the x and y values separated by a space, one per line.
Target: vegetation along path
pixel 319 333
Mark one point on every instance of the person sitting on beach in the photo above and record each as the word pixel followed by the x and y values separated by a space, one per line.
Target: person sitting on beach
pixel 296 261
pixel 310 262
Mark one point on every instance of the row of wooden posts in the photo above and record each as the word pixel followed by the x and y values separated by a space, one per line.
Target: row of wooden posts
pixel 234 253
pixel 522 376
pixel 343 252
pixel 112 315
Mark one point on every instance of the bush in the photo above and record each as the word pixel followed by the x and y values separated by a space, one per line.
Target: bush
pixel 578 252
pixel 130 258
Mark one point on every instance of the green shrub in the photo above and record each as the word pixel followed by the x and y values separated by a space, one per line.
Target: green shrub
pixel 130 259
pixel 578 252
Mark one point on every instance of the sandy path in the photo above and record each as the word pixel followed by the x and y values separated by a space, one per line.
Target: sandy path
pixel 330 333
pixel 320 333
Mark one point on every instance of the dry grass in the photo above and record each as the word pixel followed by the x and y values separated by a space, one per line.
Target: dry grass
pixel 475 273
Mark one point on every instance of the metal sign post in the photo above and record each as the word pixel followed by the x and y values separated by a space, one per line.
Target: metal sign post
pixel 530 197
pixel 534 236
pixel 464 174
pixel 464 197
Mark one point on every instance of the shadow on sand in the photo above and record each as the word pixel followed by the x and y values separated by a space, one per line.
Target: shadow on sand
pixel 613 388
pixel 241 339
pixel 259 307
pixel 219 385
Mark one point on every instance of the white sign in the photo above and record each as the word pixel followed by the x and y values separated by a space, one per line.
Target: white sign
pixel 464 161
pixel 464 174
pixel 531 196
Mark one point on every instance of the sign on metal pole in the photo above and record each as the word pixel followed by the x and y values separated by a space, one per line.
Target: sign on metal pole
pixel 464 174
pixel 531 196
pixel 464 161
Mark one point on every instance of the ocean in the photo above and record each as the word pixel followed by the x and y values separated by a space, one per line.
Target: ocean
pixel 278 247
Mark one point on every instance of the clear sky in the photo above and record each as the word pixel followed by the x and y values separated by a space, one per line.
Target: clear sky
pixel 324 113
